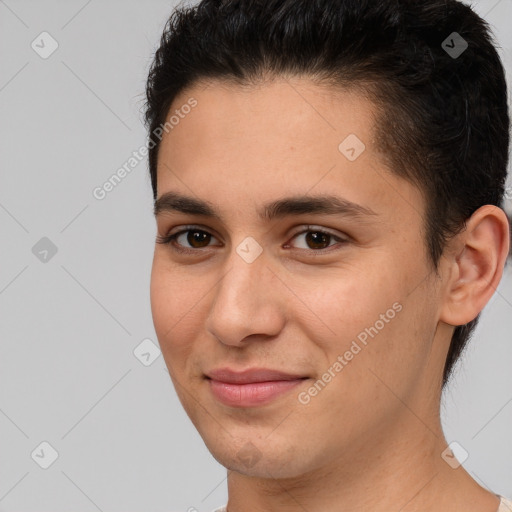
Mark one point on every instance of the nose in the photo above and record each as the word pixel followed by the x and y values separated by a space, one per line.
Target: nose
pixel 248 301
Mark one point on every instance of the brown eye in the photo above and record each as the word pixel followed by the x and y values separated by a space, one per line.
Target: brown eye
pixel 192 240
pixel 187 240
pixel 317 240
pixel 197 238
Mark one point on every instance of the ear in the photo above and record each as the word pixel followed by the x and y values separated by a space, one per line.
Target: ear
pixel 475 264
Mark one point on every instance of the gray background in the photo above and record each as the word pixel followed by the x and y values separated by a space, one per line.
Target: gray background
pixel 69 325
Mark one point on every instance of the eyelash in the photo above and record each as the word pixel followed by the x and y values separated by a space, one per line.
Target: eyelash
pixel 170 240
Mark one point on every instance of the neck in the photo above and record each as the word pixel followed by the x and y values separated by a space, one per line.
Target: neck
pixel 400 468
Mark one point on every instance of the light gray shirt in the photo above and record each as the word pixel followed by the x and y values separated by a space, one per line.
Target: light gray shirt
pixel 505 506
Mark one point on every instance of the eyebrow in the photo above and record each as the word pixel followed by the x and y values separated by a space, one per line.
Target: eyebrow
pixel 288 206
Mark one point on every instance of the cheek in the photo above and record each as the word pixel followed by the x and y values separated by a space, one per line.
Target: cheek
pixel 364 322
pixel 173 292
pixel 345 304
pixel 173 305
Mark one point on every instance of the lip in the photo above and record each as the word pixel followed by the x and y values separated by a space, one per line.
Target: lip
pixel 251 375
pixel 252 387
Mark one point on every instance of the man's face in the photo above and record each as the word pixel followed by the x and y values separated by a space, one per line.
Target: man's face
pixel 343 301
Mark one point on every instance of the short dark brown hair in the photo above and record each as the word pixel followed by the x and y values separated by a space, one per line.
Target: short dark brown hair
pixel 430 66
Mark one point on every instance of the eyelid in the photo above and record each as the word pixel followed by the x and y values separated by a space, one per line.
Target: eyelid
pixel 191 227
pixel 312 227
pixel 171 237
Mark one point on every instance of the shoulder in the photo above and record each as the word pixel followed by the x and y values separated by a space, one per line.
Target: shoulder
pixel 505 505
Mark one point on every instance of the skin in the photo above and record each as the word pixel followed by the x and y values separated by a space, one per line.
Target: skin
pixel 371 439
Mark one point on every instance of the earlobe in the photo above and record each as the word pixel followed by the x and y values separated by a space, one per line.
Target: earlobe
pixel 477 268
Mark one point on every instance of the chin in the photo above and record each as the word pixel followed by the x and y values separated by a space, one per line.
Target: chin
pixel 257 458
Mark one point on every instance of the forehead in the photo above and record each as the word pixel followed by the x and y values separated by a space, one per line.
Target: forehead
pixel 296 108
pixel 290 135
